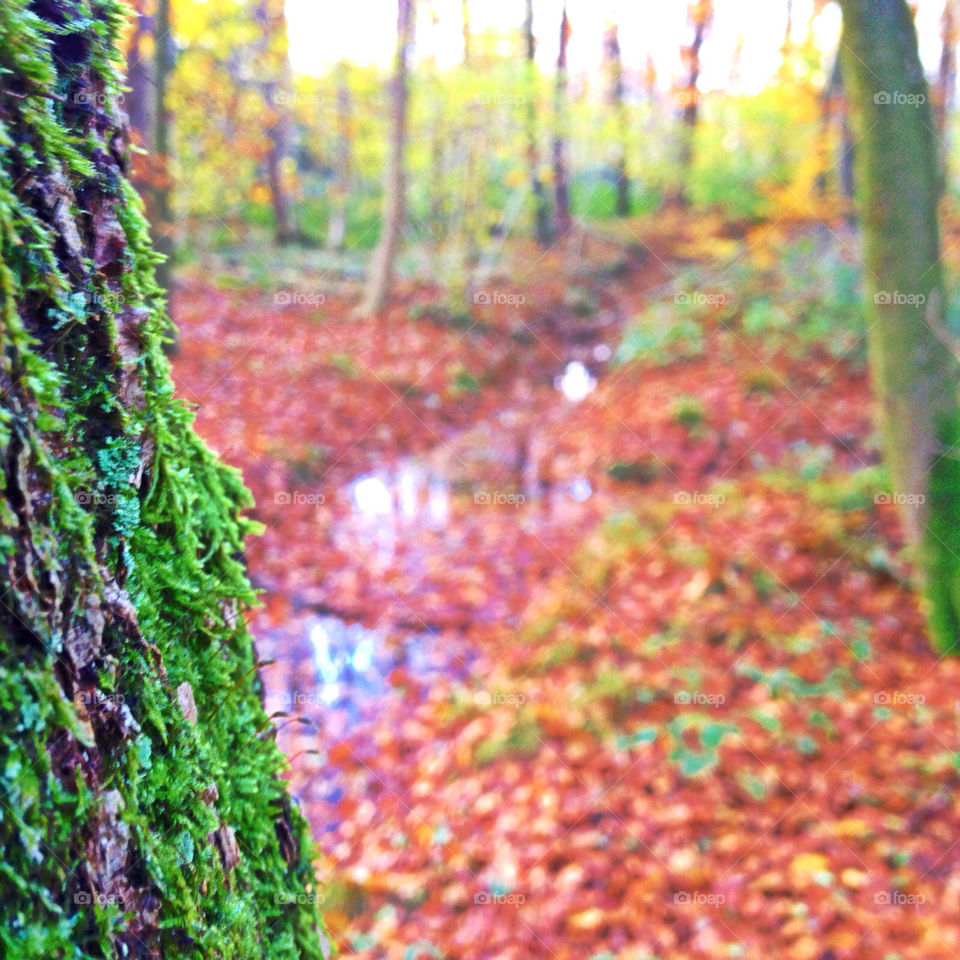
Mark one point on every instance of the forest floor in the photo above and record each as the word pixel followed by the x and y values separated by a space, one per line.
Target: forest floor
pixel 591 593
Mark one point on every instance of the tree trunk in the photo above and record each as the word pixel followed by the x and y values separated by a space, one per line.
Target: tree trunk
pixel 561 183
pixel 394 184
pixel 913 370
pixel 540 204
pixel 143 816
pixel 465 17
pixel 614 64
pixel 145 102
pixel 946 83
pixel 340 191
pixel 160 207
pixel 273 65
pixel 700 14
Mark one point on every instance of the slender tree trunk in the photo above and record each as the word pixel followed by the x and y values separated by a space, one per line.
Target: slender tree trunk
pixel 614 64
pixel 139 98
pixel 700 15
pixel 395 181
pixel 160 206
pixel 541 206
pixel 465 17
pixel 946 82
pixel 139 798
pixel 914 371
pixel 273 65
pixel 561 182
pixel 340 192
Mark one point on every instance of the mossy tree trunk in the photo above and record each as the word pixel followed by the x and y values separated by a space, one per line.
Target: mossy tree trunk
pixel 142 812
pixel 913 368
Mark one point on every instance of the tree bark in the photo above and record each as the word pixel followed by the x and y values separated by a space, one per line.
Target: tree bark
pixel 132 772
pixel 913 369
pixel 541 207
pixel 561 183
pixel 395 181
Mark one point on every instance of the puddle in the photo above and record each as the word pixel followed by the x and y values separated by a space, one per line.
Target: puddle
pixel 411 493
pixel 576 383
pixel 352 665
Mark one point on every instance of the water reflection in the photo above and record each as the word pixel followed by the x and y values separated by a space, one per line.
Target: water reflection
pixel 576 383
pixel 410 493
pixel 352 665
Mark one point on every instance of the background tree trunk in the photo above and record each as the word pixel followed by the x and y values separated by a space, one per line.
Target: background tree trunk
pixel 946 82
pixel 273 66
pixel 614 64
pixel 160 207
pixel 913 370
pixel 561 183
pixel 700 14
pixel 132 771
pixel 395 181
pixel 340 190
pixel 541 208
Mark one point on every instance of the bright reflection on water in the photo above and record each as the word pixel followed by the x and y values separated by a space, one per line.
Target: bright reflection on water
pixel 408 493
pixel 580 489
pixel 576 382
pixel 352 662
pixel 372 497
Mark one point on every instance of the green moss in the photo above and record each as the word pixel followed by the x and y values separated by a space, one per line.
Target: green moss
pixel 171 538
